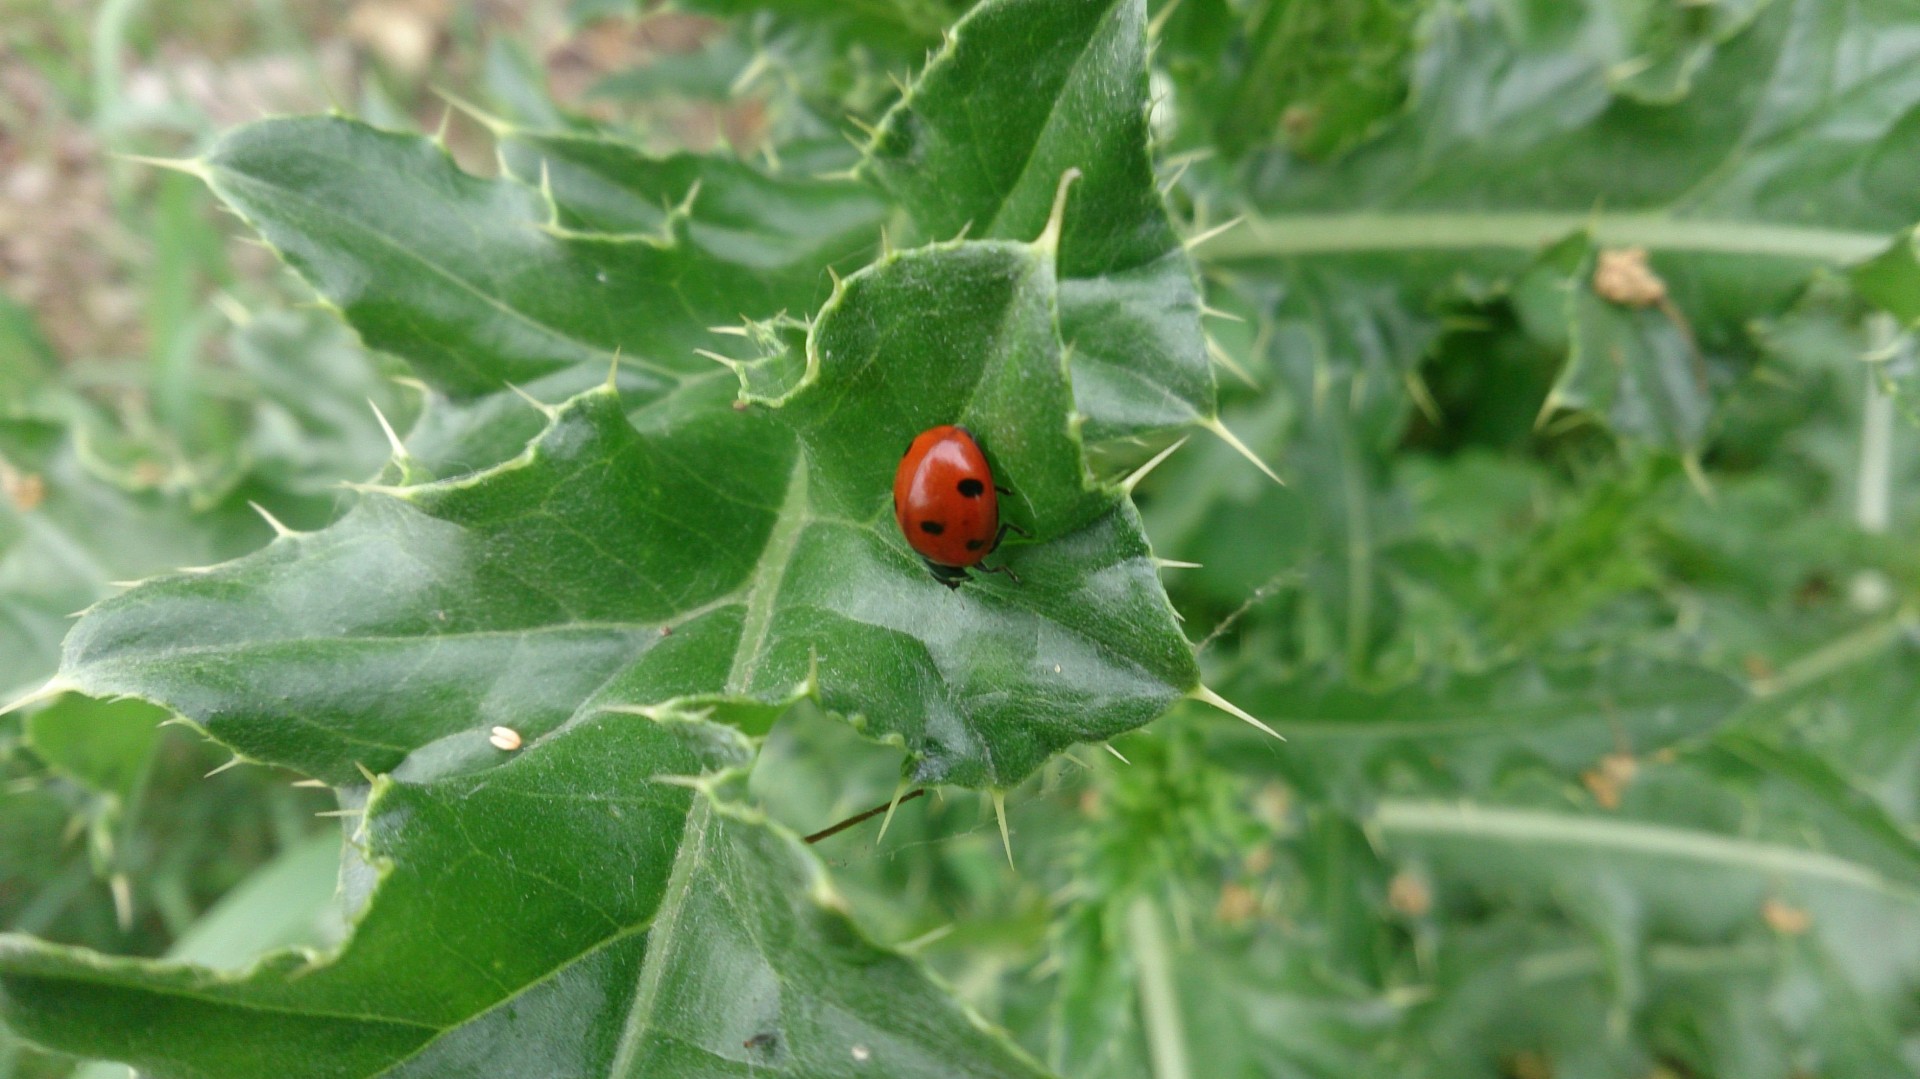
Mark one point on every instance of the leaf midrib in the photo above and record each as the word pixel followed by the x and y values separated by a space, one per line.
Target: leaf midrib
pixel 763 587
pixel 1544 829
pixel 532 984
pixel 1485 720
pixel 1272 236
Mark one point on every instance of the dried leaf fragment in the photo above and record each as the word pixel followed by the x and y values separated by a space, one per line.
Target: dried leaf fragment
pixel 1623 276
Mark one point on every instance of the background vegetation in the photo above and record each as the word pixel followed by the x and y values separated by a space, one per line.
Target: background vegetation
pixel 1576 330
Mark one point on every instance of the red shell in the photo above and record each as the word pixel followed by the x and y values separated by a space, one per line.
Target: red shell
pixel 944 499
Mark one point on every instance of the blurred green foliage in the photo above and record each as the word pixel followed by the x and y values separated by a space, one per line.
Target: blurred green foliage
pixel 1586 608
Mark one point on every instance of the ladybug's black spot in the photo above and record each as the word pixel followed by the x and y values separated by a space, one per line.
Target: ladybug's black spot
pixel 972 488
pixel 932 528
pixel 974 544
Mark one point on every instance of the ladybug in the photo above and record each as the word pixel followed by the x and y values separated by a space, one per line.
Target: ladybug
pixel 947 505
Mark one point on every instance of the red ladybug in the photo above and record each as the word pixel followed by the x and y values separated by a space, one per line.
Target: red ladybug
pixel 947 505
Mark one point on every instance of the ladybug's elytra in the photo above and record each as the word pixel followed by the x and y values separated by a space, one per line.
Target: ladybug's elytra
pixel 946 503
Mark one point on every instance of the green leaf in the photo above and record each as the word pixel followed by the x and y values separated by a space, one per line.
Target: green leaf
pixel 1674 880
pixel 523 594
pixel 65 533
pixel 309 421
pixel 690 913
pixel 1633 363
pixel 1669 44
pixel 1466 728
pixel 763 241
pixel 705 74
pixel 1318 76
pixel 480 282
pixel 288 902
pixel 1891 279
pixel 105 745
pixel 26 356
pixel 1783 156
pixel 1025 91
pixel 904 26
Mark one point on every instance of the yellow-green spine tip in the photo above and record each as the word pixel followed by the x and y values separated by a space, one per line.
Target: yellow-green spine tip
pixel 1202 693
pixel 1049 239
pixel 280 530
pixel 887 820
pixel 1133 479
pixel 1000 813
pixel 1226 435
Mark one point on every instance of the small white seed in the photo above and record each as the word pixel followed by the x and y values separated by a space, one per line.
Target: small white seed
pixel 862 1054
pixel 505 738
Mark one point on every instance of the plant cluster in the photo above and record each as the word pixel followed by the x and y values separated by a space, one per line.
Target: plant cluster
pixel 1577 333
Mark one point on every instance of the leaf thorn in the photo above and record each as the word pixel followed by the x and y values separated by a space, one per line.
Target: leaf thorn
pixel 236 762
pixel 1049 239
pixel 1108 746
pixel 1202 693
pixel 191 166
pixel 540 406
pixel 1000 812
pixel 365 772
pixel 54 687
pixel 887 821
pixel 1133 479
pixel 499 126
pixel 1208 311
pixel 279 530
pixel 761 63
pixel 319 784
pixel 546 195
pixel 393 439
pixel 1196 241
pixel 1225 359
pixel 727 361
pixel 341 813
pixel 1213 424
pixel 365 489
pixel 1179 171
pixel 1159 22
pixel 1168 563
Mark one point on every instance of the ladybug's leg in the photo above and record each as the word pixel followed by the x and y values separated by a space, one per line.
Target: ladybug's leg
pixel 1002 490
pixel 1002 534
pixel 984 568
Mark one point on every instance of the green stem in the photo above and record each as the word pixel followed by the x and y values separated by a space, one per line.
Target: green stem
pixel 1346 233
pixel 1873 509
pixel 1159 1003
pixel 1359 561
pixel 1856 647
